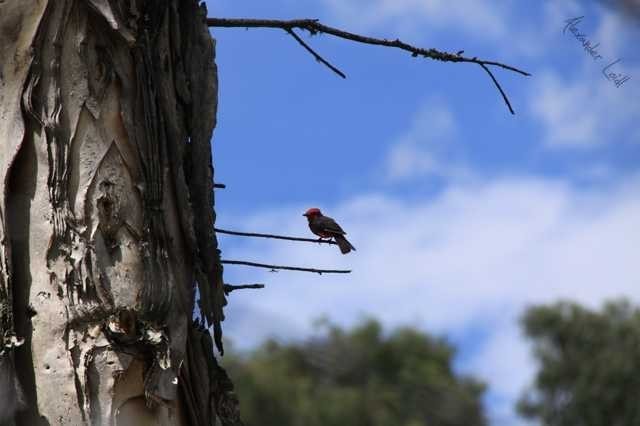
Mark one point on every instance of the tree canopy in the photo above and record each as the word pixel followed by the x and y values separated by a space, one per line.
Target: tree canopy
pixel 588 365
pixel 355 377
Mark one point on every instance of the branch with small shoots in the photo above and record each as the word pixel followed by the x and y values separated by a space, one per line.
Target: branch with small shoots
pixel 275 268
pixel 228 288
pixel 313 26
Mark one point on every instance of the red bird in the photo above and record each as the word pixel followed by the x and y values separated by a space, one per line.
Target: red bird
pixel 326 227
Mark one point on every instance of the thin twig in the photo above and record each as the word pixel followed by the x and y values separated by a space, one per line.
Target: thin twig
pixel 315 55
pixel 315 27
pixel 504 96
pixel 228 288
pixel 286 268
pixel 277 237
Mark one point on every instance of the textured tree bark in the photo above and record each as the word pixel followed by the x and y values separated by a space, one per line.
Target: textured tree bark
pixel 107 108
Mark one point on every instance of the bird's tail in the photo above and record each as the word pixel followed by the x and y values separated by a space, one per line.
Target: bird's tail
pixel 344 244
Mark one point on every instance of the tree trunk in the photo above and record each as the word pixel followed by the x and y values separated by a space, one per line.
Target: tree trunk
pixel 107 108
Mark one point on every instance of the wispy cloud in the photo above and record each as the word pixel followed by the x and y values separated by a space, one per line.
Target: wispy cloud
pixel 509 362
pixel 586 111
pixel 424 15
pixel 428 148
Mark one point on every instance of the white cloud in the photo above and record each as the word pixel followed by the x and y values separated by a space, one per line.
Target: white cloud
pixel 476 254
pixel 428 148
pixel 587 111
pixel 562 109
pixel 510 365
pixel 609 34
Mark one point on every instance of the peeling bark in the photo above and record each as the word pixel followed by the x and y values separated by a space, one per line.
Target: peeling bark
pixel 107 108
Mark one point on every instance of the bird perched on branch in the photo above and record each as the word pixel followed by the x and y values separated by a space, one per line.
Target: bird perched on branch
pixel 326 227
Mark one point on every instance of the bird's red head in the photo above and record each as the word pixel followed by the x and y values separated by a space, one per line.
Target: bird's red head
pixel 312 212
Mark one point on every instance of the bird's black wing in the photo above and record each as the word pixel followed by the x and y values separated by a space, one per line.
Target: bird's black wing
pixel 329 225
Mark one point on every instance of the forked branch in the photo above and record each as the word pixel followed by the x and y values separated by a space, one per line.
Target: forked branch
pixel 315 27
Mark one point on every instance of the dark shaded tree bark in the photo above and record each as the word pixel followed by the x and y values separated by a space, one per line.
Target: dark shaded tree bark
pixel 107 108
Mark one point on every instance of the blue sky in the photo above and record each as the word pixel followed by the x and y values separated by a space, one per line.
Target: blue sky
pixel 462 214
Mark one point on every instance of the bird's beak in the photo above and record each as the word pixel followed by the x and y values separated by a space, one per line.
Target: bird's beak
pixel 304 214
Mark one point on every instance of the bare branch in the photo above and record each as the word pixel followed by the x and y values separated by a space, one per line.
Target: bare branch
pixel 274 268
pixel 228 288
pixel 314 27
pixel 277 237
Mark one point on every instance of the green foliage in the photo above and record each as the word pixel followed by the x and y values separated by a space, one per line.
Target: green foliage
pixel 359 377
pixel 589 365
